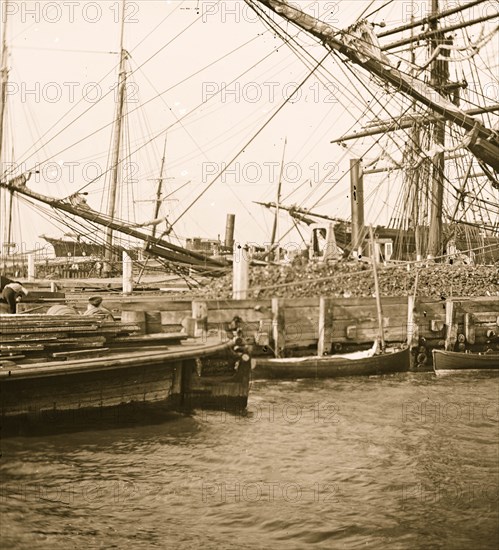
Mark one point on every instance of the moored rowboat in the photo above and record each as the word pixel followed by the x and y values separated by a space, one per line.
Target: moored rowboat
pixel 453 361
pixel 365 363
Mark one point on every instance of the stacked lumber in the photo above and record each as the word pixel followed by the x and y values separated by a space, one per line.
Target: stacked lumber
pixel 35 338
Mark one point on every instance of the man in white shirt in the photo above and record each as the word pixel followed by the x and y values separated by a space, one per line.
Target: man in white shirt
pixel 12 293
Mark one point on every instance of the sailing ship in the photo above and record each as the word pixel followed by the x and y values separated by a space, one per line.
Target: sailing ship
pixel 426 110
pixel 97 240
pixel 56 369
pixel 433 111
pixel 74 246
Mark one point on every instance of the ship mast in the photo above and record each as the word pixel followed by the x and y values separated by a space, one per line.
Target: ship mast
pixel 159 189
pixel 278 200
pixel 414 146
pixel 4 75
pixel 111 209
pixel 438 79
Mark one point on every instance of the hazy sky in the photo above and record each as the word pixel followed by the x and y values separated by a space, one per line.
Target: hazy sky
pixel 61 104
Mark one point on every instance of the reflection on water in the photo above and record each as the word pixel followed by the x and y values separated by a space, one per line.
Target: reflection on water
pixel 399 462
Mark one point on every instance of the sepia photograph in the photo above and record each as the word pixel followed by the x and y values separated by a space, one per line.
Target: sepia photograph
pixel 249 274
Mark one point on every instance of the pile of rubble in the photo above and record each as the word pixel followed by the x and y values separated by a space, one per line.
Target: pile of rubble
pixel 356 279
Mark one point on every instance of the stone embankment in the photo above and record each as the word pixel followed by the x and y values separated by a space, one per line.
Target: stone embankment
pixel 356 279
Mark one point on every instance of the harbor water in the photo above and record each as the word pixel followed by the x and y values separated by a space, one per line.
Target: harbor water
pixel 407 461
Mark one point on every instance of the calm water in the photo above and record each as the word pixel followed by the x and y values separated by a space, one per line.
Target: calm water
pixel 401 462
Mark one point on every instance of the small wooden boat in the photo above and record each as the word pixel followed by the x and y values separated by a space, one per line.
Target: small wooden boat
pixel 97 383
pixel 454 361
pixel 364 363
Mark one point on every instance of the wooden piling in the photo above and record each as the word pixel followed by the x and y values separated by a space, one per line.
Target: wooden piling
pixel 278 327
pixel 240 279
pixel 357 205
pixel 469 328
pixel 325 326
pixel 200 316
pixel 450 326
pixel 412 327
pixel 31 267
pixel 127 273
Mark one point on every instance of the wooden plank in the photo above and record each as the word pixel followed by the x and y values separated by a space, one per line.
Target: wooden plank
pixel 369 335
pixel 242 305
pixel 43 330
pixel 81 339
pixel 70 347
pixel 30 338
pixel 301 344
pixel 297 338
pixel 11 357
pixel 387 301
pixel 481 304
pixel 21 347
pixel 32 318
pixel 296 313
pixel 389 324
pixel 368 311
pixel 80 353
pixel 247 315
pixel 485 318
pixel 35 295
pixel 122 327
pixel 301 303
pixel 39 307
pixel 163 338
pixel 50 324
pixel 158 303
pixel 430 306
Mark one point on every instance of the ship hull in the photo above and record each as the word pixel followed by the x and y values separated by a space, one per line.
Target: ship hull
pixel 75 393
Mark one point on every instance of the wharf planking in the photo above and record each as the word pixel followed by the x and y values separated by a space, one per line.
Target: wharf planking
pixel 336 325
